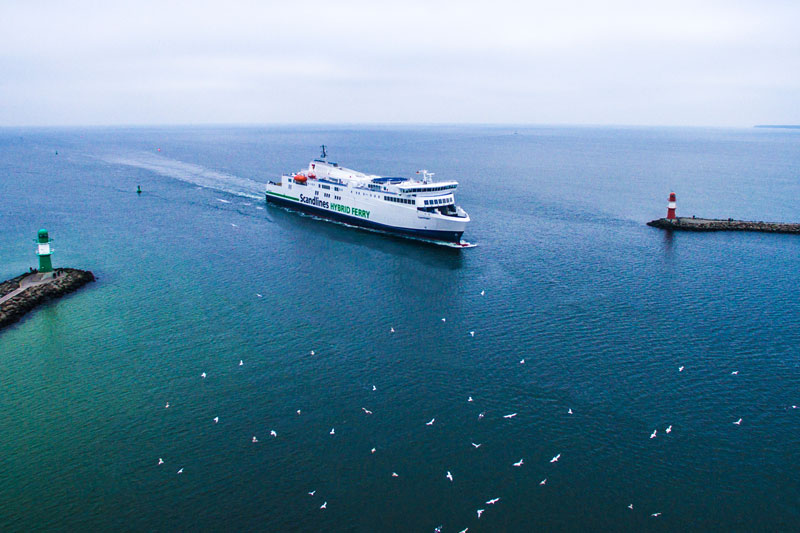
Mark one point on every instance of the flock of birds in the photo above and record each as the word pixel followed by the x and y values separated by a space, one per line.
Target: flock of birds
pixel 448 474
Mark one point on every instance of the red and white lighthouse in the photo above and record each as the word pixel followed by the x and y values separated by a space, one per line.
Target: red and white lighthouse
pixel 671 206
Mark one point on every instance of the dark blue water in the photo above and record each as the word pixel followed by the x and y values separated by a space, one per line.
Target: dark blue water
pixel 603 309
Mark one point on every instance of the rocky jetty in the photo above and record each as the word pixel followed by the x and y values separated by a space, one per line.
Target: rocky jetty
pixel 713 224
pixel 23 293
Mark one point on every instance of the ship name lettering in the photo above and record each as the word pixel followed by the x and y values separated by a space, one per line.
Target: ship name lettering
pixel 314 201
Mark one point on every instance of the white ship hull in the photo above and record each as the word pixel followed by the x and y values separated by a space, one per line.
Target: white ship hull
pixel 418 209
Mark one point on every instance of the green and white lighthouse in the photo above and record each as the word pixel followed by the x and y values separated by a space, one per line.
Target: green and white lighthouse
pixel 43 251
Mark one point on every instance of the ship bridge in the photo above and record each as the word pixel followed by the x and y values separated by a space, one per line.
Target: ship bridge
pixel 427 189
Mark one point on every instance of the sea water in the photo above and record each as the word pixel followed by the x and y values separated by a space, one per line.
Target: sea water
pixel 198 274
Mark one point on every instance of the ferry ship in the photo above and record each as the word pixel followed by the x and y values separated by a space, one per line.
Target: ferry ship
pixel 418 208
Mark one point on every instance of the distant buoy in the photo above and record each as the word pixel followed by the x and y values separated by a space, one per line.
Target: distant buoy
pixel 56 152
pixel 159 149
pixel 138 189
pixel 671 206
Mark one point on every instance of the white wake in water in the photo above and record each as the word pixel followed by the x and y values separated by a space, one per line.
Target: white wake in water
pixel 191 173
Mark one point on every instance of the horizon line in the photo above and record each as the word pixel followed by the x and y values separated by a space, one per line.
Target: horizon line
pixel 392 124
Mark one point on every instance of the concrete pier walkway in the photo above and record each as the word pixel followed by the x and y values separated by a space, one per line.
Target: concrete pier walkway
pixel 31 280
pixel 23 293
pixel 714 224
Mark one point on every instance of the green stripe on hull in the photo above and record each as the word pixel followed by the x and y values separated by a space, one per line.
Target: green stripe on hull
pixel 283 196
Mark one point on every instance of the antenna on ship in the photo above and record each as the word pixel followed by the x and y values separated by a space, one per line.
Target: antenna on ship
pixel 324 153
pixel 426 176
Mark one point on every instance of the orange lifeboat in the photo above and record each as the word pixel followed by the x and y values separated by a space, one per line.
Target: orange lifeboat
pixel 299 178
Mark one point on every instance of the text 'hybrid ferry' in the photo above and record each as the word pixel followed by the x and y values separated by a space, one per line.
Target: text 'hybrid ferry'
pixel 419 208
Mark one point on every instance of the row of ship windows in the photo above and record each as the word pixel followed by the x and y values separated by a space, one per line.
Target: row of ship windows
pixel 398 200
pixel 327 187
pixel 436 201
pixel 431 189
pixel 328 195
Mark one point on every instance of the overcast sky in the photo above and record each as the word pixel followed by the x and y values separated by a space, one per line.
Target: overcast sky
pixel 676 62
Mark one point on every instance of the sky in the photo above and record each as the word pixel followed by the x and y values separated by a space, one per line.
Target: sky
pixel 611 62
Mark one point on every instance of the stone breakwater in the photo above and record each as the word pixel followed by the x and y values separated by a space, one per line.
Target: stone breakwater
pixel 713 224
pixel 23 293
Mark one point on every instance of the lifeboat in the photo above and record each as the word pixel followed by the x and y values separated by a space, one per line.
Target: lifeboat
pixel 299 178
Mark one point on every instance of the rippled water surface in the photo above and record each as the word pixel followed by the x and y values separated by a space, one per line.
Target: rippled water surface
pixel 198 274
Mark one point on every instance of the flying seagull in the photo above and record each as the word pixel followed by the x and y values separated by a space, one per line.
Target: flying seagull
pixel 160 461
pixel 216 419
pixel 312 492
pixel 324 505
pixel 680 368
pixel 367 411
pixel 542 482
pixel 449 476
pixel 569 412
pixel 203 375
pixel 332 431
pixel 653 435
pixel 738 422
pixel 180 471
pixel 518 463
pixel 556 458
pixel 493 501
pixel 512 415
pixel 669 429
pixel 480 512
pixel 470 399
pixel 477 445
pixel 394 474
pixel 255 439
pixel 273 433
pixel 430 423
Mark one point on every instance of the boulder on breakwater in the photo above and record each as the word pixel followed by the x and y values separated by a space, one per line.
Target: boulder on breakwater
pixel 24 293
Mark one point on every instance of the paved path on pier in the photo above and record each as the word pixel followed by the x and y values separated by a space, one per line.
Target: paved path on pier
pixel 31 280
pixel 714 224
